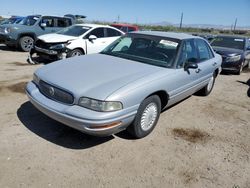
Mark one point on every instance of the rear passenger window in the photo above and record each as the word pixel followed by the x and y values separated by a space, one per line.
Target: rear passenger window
pixel 203 50
pixel 48 21
pixel 62 22
pixel 112 33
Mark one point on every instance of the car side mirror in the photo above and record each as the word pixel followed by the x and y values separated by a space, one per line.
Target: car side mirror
pixel 190 65
pixel 92 37
pixel 43 25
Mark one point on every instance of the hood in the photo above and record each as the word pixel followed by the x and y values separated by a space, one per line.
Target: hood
pixel 56 38
pixel 227 51
pixel 94 76
pixel 16 26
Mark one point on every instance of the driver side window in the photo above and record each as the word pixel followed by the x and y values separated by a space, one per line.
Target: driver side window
pixel 98 32
pixel 188 53
pixel 48 21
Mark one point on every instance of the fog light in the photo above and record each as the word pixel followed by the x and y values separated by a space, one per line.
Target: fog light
pixel 106 126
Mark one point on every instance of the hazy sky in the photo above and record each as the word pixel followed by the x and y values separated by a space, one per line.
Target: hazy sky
pixel 222 12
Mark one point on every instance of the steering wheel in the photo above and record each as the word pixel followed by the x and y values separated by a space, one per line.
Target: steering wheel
pixel 164 56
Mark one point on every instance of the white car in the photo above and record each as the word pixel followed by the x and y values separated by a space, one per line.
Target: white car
pixel 72 41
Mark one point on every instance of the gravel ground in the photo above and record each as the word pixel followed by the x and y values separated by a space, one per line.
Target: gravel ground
pixel 200 142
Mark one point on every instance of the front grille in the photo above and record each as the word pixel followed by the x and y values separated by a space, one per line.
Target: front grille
pixel 55 93
pixel 2 30
pixel 41 44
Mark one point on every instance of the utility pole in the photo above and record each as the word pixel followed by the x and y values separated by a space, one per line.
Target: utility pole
pixel 118 18
pixel 235 23
pixel 181 20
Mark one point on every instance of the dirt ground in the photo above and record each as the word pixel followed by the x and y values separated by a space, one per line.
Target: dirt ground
pixel 200 142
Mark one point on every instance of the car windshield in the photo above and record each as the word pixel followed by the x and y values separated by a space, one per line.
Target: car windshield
pixel 155 51
pixel 228 42
pixel 75 30
pixel 29 20
pixel 9 21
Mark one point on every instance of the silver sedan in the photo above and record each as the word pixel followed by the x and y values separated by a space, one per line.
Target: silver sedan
pixel 127 85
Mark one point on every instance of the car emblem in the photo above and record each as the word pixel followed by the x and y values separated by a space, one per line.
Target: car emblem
pixel 51 91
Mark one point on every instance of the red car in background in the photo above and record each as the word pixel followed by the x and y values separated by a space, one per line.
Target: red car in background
pixel 125 27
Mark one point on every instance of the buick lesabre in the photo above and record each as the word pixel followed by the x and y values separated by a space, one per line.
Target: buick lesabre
pixel 127 85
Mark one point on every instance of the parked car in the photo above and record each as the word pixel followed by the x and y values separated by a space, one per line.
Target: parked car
pixel 79 19
pixel 235 52
pixel 12 20
pixel 208 37
pixel 72 41
pixel 127 85
pixel 24 34
pixel 125 27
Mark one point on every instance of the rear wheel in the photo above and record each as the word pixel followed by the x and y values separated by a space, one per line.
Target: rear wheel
pixel 209 87
pixel 146 118
pixel 26 43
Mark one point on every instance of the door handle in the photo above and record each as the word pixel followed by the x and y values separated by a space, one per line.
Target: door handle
pixel 198 70
pixel 214 63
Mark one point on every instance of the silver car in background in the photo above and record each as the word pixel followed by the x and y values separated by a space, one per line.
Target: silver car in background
pixel 127 85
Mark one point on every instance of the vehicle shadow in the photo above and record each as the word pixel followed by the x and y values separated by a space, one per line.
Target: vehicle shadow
pixel 246 83
pixel 56 132
pixel 3 47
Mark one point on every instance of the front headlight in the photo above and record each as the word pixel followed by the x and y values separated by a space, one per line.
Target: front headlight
pixel 233 58
pixel 36 79
pixel 6 30
pixel 101 106
pixel 57 47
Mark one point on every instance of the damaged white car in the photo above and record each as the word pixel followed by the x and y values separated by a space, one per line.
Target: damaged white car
pixel 79 39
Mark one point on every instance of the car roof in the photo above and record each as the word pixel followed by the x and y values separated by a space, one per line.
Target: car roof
pixel 93 25
pixel 180 36
pixel 121 24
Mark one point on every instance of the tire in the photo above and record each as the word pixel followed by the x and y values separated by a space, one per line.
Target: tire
pixel 209 87
pixel 146 118
pixel 26 43
pixel 75 52
pixel 240 69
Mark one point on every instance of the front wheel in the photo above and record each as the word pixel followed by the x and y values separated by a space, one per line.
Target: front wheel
pixel 146 118
pixel 75 52
pixel 26 43
pixel 240 69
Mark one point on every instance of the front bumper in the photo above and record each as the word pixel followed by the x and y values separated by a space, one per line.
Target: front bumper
pixel 10 41
pixel 85 120
pixel 231 66
pixel 47 55
pixel 45 51
pixel 2 38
